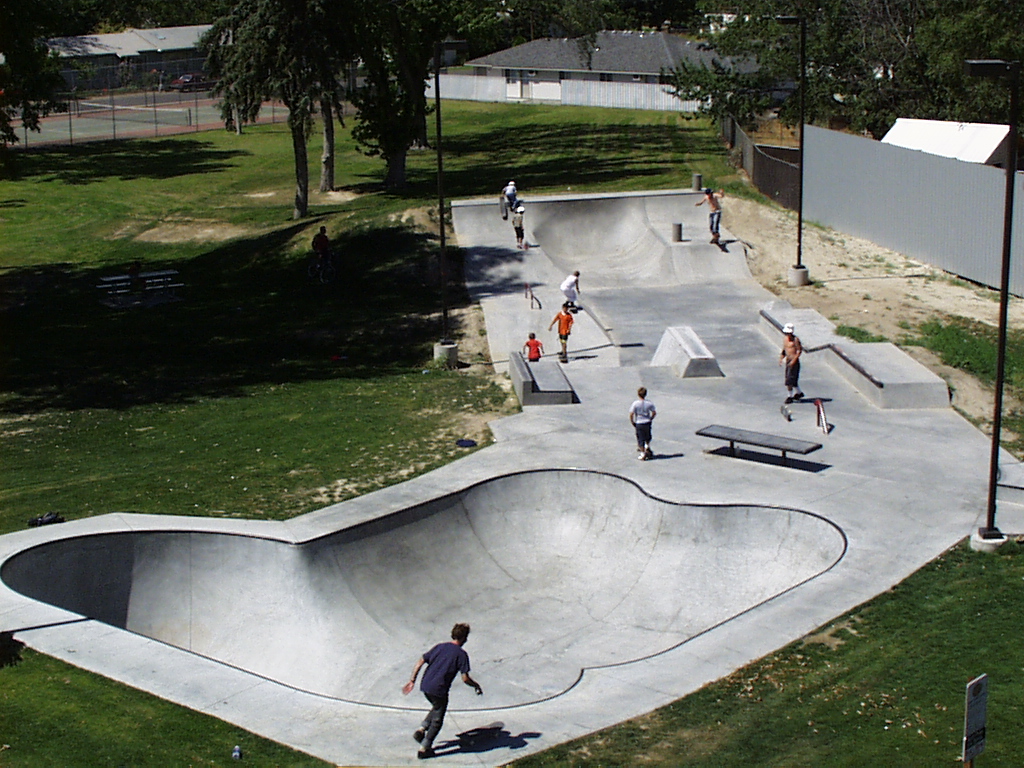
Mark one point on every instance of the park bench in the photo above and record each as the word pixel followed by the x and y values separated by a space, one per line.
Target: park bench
pixel 540 383
pixel 734 435
pixel 142 290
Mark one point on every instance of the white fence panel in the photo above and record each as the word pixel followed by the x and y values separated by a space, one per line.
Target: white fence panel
pixel 585 93
pixel 941 211
pixel 594 93
pixel 469 88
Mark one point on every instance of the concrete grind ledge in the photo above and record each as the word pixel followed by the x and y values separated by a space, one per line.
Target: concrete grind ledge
pixel 886 375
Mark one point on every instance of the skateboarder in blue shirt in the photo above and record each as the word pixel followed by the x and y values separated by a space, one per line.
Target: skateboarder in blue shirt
pixel 444 661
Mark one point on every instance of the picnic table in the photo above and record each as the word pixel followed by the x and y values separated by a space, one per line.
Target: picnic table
pixel 144 289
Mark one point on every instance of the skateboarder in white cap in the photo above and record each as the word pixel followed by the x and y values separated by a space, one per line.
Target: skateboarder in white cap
pixel 790 357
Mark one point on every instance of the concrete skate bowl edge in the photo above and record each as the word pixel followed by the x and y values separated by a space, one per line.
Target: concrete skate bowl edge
pixel 628 240
pixel 557 571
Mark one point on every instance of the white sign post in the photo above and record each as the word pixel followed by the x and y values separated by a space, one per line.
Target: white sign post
pixel 974 719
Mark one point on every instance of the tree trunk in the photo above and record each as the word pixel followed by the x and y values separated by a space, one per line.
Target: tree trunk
pixel 421 141
pixel 301 172
pixel 395 178
pixel 327 157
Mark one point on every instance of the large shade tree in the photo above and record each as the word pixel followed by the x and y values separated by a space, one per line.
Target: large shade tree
pixel 867 62
pixel 29 75
pixel 285 49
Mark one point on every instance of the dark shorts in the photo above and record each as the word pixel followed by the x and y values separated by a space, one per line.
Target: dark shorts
pixel 643 434
pixel 793 374
pixel 563 337
pixel 519 232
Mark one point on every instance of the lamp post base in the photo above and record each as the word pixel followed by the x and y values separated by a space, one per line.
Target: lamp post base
pixel 798 276
pixel 447 353
pixel 987 540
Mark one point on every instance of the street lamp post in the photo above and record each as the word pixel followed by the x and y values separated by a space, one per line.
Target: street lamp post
pixel 798 272
pixel 1011 71
pixel 439 47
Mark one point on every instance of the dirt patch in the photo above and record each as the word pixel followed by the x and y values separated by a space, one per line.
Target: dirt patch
pixel 193 231
pixel 859 283
pixel 336 196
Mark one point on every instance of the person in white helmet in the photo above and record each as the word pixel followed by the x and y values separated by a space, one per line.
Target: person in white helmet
pixel 508 199
pixel 517 225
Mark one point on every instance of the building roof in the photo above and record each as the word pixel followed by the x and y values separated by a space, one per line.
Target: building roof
pixel 614 52
pixel 131 42
pixel 970 142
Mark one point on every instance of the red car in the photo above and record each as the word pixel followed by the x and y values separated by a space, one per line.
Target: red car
pixel 191 81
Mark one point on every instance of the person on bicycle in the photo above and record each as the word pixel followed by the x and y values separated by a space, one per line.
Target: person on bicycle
pixel 322 246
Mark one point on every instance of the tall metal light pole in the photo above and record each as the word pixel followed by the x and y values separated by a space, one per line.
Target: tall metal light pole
pixel 798 273
pixel 446 45
pixel 1011 71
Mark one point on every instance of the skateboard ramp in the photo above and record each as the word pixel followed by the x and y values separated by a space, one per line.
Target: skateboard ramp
pixel 562 570
pixel 629 240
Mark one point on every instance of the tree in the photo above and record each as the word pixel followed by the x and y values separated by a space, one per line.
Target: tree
pixel 396 46
pixel 275 48
pixel 867 62
pixel 29 75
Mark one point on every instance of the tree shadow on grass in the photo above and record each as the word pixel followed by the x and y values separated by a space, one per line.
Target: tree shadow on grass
pixel 603 154
pixel 126 159
pixel 248 315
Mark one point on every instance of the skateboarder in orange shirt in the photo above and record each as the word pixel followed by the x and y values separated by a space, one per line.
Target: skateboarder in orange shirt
pixel 565 321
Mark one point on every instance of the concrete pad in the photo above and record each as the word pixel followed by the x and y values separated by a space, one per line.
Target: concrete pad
pixel 554 542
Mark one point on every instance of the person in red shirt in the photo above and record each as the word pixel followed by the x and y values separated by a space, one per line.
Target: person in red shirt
pixel 564 320
pixel 322 245
pixel 533 348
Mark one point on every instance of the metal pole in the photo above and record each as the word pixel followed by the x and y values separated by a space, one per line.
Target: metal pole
pixel 990 531
pixel 440 195
pixel 800 199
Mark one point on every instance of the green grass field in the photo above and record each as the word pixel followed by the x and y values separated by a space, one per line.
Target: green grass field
pixel 263 395
pixel 260 395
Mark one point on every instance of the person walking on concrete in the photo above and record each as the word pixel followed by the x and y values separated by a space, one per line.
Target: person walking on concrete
pixel 444 661
pixel 565 320
pixel 641 415
pixel 571 288
pixel 517 225
pixel 533 348
pixel 508 199
pixel 792 349
pixel 713 199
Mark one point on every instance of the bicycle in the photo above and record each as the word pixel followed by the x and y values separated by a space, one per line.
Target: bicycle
pixel 320 268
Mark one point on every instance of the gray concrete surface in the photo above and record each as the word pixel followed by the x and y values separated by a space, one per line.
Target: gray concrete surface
pixel 596 592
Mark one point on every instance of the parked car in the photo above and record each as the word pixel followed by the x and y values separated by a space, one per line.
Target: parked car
pixel 190 81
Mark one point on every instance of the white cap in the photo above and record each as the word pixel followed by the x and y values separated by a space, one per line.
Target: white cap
pixel 520 209
pixel 787 328
pixel 511 183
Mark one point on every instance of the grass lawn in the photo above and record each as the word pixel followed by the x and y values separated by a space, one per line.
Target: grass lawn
pixel 260 395
pixel 265 396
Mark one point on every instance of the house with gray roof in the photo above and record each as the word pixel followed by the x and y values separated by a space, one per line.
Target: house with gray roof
pixel 122 58
pixel 620 69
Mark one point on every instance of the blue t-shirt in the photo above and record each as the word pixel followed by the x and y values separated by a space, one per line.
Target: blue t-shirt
pixel 444 662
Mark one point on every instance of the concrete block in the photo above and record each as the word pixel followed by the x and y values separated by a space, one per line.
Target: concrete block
pixel 540 383
pixel 681 349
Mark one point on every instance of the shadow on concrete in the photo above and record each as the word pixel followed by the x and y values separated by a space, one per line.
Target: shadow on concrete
pixel 767 458
pixel 484 739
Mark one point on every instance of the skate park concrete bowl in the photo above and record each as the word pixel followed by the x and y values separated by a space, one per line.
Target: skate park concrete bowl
pixel 576 569
pixel 630 240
